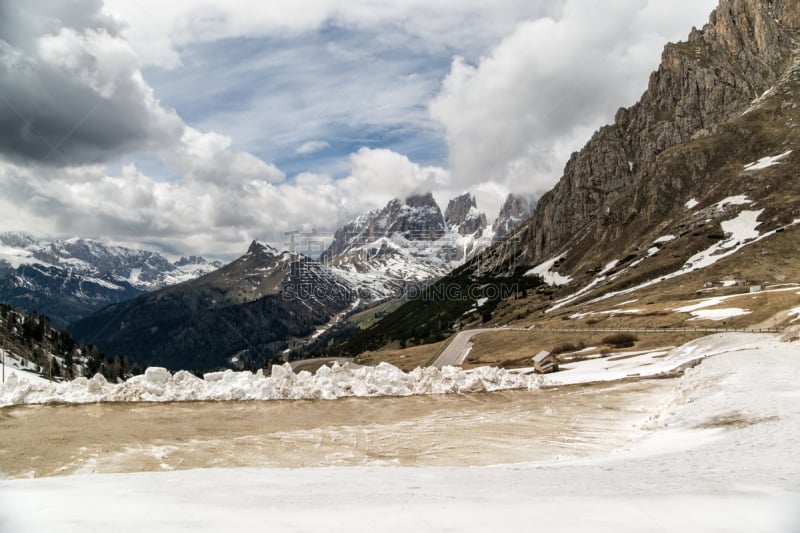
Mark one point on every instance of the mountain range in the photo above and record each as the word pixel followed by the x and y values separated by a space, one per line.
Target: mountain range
pixel 69 279
pixel 256 308
pixel 681 184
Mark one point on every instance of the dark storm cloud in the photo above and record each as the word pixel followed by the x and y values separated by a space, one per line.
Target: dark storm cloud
pixel 21 23
pixel 70 89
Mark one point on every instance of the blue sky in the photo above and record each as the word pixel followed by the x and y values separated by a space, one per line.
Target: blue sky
pixel 342 87
pixel 197 126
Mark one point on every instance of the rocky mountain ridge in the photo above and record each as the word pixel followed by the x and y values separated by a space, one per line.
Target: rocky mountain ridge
pixel 407 243
pixel 516 209
pixel 463 217
pixel 702 113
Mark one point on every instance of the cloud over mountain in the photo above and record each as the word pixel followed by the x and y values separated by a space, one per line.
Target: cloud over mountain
pixel 515 116
pixel 194 161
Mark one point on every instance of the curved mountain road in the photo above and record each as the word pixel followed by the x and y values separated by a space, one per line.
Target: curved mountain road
pixel 456 352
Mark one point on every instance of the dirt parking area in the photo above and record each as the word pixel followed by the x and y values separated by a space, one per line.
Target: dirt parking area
pixel 449 430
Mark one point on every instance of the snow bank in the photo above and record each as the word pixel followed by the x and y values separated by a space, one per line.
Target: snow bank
pixel 328 383
pixel 22 367
pixel 648 363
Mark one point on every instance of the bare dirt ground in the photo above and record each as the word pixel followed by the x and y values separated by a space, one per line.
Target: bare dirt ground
pixel 450 430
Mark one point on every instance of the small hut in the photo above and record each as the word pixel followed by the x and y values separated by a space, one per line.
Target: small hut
pixel 544 362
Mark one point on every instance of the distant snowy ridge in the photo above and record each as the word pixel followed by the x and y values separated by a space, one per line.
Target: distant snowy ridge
pixel 142 269
pixel 69 279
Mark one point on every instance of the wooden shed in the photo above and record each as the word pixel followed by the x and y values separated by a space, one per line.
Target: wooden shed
pixel 544 362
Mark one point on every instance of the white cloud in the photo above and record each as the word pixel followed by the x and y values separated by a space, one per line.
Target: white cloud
pixel 208 157
pixel 516 115
pixel 513 109
pixel 310 147
pixel 159 29
pixel 75 95
pixel 377 176
pixel 211 216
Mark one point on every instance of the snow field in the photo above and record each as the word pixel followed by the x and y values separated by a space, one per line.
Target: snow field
pixel 720 455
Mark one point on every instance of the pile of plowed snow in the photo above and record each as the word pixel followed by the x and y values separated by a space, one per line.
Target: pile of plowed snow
pixel 328 383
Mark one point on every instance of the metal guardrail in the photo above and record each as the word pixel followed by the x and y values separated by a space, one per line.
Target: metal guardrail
pixel 654 330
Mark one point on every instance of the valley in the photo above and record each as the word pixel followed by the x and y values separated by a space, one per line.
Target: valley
pixel 615 349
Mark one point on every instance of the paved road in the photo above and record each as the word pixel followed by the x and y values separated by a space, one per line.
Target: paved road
pixel 455 352
pixel 300 363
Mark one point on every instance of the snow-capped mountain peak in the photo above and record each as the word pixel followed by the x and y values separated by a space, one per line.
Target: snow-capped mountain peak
pixel 516 209
pixel 463 217
pixel 406 242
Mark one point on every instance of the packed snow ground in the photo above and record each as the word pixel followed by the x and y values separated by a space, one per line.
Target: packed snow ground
pixel 719 455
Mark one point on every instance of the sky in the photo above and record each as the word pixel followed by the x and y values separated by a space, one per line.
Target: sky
pixel 195 126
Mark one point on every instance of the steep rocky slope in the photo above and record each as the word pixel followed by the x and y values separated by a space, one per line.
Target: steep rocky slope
pixel 704 165
pixel 685 139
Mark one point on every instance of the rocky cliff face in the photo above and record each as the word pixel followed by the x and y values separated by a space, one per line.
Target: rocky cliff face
pixel 406 243
pixel 618 177
pixel 417 219
pixel 463 217
pixel 515 210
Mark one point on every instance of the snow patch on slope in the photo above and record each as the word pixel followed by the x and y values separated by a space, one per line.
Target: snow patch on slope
pixel 546 272
pixel 740 231
pixel 766 162
pixel 739 199
pixel 724 313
